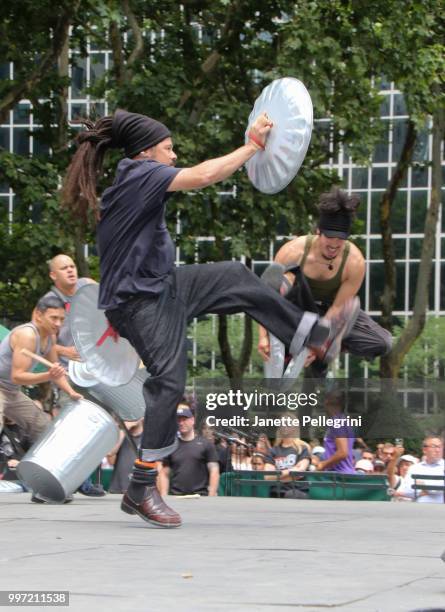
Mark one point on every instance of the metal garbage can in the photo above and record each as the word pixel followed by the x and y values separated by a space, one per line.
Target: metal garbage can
pixel 69 451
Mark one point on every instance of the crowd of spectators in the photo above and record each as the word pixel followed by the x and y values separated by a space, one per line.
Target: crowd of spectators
pixel 196 466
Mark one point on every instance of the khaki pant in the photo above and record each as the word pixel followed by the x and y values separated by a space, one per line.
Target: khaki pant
pixel 19 408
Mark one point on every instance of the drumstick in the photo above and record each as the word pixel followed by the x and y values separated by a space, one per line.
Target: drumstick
pixel 25 351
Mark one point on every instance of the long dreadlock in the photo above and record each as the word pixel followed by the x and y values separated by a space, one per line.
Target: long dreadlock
pixel 80 184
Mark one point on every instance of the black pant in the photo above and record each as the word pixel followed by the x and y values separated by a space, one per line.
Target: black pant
pixel 156 325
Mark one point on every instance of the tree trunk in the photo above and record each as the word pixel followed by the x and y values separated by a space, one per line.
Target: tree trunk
pixel 417 322
pixel 385 208
pixel 61 143
pixel 389 263
pixel 79 249
pixel 235 367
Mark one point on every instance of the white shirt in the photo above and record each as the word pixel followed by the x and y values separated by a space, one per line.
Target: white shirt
pixel 427 469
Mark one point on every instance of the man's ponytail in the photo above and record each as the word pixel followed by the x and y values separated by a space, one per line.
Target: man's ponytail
pixel 79 187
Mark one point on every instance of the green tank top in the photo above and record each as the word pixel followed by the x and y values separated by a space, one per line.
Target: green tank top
pixel 324 290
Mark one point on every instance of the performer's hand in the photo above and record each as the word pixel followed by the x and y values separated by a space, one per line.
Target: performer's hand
pixel 71 353
pixel 310 358
pixel 399 451
pixel 56 371
pixel 260 128
pixel 264 348
pixel 76 396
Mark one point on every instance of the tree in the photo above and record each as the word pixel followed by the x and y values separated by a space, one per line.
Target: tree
pixel 412 39
pixel 34 38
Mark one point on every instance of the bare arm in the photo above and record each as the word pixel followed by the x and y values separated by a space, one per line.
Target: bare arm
pixel 340 453
pixel 213 478
pixel 216 170
pixel 62 381
pixel 21 364
pixel 392 464
pixel 70 352
pixel 164 480
pixel 350 285
pixel 290 253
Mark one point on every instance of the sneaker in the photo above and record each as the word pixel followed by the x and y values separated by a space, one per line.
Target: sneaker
pixel 340 325
pixel 92 490
pixel 274 276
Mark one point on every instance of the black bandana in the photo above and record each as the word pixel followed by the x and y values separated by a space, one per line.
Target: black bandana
pixel 335 225
pixel 135 133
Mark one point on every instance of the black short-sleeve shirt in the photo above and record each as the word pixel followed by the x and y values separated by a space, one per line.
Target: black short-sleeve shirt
pixel 188 465
pixel 135 248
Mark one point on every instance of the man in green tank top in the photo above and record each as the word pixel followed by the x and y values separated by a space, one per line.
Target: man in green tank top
pixel 325 270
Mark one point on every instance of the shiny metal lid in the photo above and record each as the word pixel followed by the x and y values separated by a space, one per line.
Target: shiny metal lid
pixel 109 358
pixel 289 105
pixel 80 375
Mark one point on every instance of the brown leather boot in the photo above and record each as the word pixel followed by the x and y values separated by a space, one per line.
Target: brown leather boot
pixel 152 509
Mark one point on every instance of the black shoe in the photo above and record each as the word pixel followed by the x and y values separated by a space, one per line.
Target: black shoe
pixel 38 500
pixel 152 509
pixel 92 490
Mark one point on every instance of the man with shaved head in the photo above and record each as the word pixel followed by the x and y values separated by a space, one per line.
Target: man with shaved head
pixel 63 273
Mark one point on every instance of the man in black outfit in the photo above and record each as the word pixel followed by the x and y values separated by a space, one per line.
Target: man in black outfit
pixel 193 467
pixel 147 299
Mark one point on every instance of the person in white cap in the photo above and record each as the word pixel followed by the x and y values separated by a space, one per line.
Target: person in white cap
pixel 431 464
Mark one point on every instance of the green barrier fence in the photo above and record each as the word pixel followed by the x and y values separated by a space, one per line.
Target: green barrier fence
pixel 320 485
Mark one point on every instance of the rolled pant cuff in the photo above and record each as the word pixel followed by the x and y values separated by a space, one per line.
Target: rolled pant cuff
pixel 156 454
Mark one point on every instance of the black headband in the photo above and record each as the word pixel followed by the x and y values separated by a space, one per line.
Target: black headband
pixel 335 225
pixel 135 133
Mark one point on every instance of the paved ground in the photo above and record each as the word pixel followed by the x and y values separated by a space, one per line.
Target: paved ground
pixel 232 554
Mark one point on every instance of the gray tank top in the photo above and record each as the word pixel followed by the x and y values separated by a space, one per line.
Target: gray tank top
pixel 65 337
pixel 6 355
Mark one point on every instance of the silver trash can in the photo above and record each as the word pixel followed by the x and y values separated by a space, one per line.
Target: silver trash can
pixel 127 401
pixel 69 451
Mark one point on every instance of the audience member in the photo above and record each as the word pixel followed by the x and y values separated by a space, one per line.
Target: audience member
pixel 397 469
pixel 221 446
pixel 264 447
pixel 364 466
pixel 290 454
pixel 367 454
pixel 387 453
pixel 379 466
pixel 259 463
pixel 240 453
pixel 431 464
pixel 339 438
pixel 193 467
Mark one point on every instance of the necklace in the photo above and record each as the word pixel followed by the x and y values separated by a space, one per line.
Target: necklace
pixel 329 264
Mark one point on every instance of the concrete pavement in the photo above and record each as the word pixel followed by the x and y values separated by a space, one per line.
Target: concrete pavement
pixel 232 554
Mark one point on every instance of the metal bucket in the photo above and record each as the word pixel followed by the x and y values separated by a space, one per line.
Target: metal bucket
pixel 70 450
pixel 126 401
